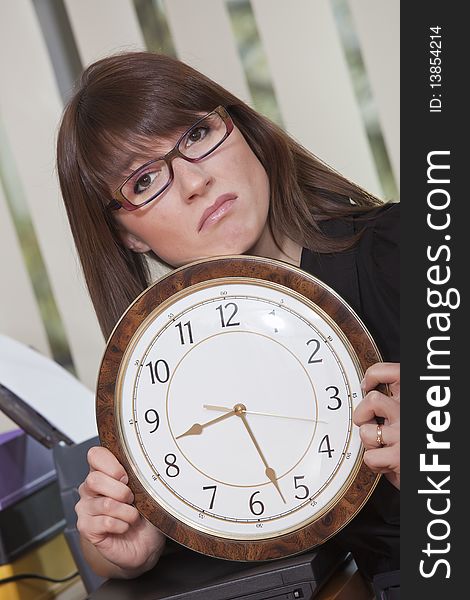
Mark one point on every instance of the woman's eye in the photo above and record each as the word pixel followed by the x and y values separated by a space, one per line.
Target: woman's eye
pixel 144 182
pixel 196 135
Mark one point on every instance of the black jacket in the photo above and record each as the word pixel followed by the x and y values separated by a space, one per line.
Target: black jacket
pixel 367 277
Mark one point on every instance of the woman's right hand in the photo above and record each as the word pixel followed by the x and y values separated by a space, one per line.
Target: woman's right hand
pixel 108 521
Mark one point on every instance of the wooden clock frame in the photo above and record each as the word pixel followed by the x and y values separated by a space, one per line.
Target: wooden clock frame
pixel 307 536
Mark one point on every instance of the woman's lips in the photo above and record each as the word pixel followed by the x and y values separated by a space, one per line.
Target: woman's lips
pixel 216 211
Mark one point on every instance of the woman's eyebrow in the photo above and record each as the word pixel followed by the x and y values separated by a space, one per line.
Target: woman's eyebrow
pixel 136 162
pixel 120 175
pixel 138 158
pixel 133 164
pixel 158 150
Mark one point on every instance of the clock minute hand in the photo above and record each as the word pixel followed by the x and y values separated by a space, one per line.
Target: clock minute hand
pixel 198 428
pixel 270 473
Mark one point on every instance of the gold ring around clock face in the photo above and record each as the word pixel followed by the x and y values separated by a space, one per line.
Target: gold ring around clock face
pixel 233 411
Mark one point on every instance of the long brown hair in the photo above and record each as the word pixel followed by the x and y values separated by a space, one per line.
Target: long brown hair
pixel 124 101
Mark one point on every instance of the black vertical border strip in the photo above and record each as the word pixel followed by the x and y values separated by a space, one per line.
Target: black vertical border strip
pixel 433 568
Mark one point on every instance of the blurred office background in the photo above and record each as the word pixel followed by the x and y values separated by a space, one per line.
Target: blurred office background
pixel 326 70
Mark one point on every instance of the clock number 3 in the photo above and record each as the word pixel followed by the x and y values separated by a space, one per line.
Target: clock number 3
pixel 334 397
pixel 228 322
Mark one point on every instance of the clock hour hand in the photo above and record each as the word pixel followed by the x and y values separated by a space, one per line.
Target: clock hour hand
pixel 270 473
pixel 263 414
pixel 198 428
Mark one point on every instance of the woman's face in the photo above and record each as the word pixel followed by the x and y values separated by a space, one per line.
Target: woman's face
pixel 214 207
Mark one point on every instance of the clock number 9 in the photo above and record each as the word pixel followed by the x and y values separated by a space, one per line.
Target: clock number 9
pixel 151 416
pixel 258 503
pixel 228 323
pixel 312 360
pixel 157 373
pixel 334 397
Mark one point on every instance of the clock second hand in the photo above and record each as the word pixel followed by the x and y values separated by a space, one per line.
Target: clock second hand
pixel 252 412
pixel 240 411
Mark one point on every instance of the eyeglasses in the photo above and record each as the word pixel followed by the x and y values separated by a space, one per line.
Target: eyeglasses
pixel 152 179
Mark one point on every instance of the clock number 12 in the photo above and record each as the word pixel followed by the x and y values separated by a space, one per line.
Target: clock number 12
pixel 228 322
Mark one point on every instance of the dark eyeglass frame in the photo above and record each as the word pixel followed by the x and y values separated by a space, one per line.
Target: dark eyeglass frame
pixel 120 201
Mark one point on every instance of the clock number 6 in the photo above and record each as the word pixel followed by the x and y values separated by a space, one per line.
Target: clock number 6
pixel 221 309
pixel 258 503
pixel 159 371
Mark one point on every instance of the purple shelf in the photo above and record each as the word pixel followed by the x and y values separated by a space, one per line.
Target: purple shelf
pixel 25 466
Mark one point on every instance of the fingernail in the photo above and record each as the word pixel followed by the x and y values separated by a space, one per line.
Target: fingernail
pixel 124 479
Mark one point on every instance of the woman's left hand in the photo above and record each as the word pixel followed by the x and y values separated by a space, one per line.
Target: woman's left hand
pixel 382 442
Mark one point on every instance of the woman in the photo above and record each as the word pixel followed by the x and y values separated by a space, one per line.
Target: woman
pixel 155 159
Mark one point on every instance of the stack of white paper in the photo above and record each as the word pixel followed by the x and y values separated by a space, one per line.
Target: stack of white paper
pixel 49 389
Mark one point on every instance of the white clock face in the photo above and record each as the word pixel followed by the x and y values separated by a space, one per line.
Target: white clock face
pixel 235 405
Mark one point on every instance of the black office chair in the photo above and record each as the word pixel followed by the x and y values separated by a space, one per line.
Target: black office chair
pixel 72 468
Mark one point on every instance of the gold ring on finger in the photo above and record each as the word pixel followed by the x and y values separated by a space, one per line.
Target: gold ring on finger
pixel 379 438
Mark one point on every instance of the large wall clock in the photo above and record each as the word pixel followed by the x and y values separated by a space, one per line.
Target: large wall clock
pixel 226 391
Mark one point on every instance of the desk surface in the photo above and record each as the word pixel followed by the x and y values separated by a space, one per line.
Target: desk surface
pixel 346 584
pixel 184 575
